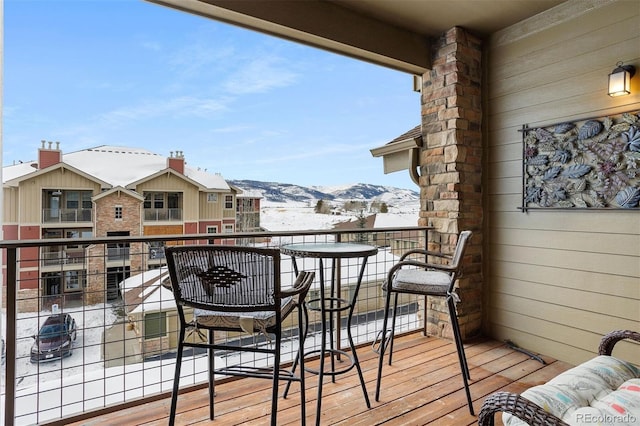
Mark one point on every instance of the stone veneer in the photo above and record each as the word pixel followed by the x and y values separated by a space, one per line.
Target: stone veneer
pixel 105 222
pixel 451 166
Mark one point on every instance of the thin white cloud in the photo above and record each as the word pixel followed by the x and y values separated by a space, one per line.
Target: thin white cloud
pixel 151 45
pixel 232 129
pixel 260 75
pixel 327 150
pixel 180 106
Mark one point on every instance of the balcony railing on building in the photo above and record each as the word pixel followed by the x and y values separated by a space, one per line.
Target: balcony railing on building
pixel 126 336
pixel 66 215
pixel 159 215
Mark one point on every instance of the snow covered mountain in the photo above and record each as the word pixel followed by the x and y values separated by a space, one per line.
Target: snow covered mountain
pixel 273 192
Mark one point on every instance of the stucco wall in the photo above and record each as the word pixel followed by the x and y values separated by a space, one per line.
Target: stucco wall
pixel 555 281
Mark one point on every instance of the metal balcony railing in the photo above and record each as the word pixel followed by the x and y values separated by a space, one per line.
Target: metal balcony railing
pixel 117 253
pixel 66 215
pixel 159 215
pixel 122 351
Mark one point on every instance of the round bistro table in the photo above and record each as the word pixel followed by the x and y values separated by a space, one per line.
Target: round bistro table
pixel 331 305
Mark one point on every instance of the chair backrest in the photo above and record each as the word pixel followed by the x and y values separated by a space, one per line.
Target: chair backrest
pixel 225 278
pixel 461 246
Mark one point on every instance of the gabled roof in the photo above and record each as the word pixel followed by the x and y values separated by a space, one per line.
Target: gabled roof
pixel 408 140
pixel 31 172
pixel 133 185
pixel 118 166
pixel 145 292
pixel 116 190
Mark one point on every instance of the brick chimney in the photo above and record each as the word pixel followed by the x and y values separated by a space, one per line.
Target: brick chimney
pixel 176 162
pixel 48 156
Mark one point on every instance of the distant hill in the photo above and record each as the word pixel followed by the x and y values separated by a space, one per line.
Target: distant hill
pixel 288 193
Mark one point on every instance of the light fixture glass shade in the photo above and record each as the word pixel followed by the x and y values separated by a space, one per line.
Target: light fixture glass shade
pixel 620 80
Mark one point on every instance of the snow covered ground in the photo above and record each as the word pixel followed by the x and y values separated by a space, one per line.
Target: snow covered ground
pixel 80 382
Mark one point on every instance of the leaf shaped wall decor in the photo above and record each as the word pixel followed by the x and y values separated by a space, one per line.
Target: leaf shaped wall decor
pixel 589 129
pixel 584 164
pixel 576 171
pixel 628 197
pixel 632 138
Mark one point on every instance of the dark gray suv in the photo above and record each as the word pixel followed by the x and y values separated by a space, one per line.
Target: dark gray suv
pixel 55 338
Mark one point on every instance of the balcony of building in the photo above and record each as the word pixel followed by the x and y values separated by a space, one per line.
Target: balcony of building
pixel 163 206
pixel 123 354
pixel 66 206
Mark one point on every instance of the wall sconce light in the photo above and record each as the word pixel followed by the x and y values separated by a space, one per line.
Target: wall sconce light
pixel 620 78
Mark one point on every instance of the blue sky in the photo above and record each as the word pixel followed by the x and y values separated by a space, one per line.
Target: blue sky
pixel 236 102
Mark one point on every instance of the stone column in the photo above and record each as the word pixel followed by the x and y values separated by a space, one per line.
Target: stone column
pixel 451 166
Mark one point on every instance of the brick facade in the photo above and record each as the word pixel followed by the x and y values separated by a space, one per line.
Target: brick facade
pixel 450 183
pixel 105 222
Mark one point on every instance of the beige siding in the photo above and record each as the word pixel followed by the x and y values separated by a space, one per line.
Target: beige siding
pixel 30 202
pixel 557 280
pixel 10 206
pixel 211 209
pixel 171 183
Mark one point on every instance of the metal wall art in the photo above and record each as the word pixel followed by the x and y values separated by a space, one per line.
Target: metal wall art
pixel 587 164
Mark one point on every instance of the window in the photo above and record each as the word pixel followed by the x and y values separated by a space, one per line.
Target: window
pixel 73 199
pixel 118 212
pixel 86 199
pixel 228 201
pixel 228 229
pixel 158 200
pixel 173 200
pixel 212 198
pixel 154 200
pixel 212 230
pixel 155 325
pixel 74 280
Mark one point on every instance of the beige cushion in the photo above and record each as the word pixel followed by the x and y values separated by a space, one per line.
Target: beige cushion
pixel 434 283
pixel 261 320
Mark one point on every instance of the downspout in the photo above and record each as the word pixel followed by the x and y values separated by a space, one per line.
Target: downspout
pixel 414 165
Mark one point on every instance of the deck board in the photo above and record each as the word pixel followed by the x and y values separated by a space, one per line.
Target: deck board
pixel 423 386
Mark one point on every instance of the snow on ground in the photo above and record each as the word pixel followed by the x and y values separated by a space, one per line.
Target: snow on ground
pixel 87 384
pixel 300 216
pixel 97 387
pixel 293 217
pixel 86 349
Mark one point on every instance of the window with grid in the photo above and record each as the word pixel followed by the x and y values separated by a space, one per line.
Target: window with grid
pixel 155 325
pixel 228 201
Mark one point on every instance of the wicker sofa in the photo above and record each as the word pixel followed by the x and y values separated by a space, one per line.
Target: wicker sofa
pixel 601 391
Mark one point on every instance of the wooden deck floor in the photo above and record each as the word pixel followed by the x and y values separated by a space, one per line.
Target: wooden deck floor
pixel 423 386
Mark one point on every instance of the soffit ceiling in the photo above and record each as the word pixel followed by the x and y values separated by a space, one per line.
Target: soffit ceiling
pixel 434 17
pixel 393 33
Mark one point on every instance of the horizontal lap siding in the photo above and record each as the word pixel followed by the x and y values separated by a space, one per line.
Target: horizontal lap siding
pixel 558 280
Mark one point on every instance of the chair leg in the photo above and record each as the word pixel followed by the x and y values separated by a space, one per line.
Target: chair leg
pixel 464 368
pixel 276 377
pixel 383 343
pixel 176 379
pixel 393 327
pixel 212 384
pixel 302 337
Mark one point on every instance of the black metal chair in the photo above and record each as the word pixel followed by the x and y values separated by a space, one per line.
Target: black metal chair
pixel 236 289
pixel 428 279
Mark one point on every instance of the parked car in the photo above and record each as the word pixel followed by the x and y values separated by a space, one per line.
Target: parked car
pixel 55 338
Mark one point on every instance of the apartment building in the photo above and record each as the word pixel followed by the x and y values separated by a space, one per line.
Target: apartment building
pixel 100 192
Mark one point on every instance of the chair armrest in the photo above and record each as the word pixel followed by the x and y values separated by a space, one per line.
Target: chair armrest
pixel 610 339
pixel 425 265
pixel 424 253
pixel 301 286
pixel 525 410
